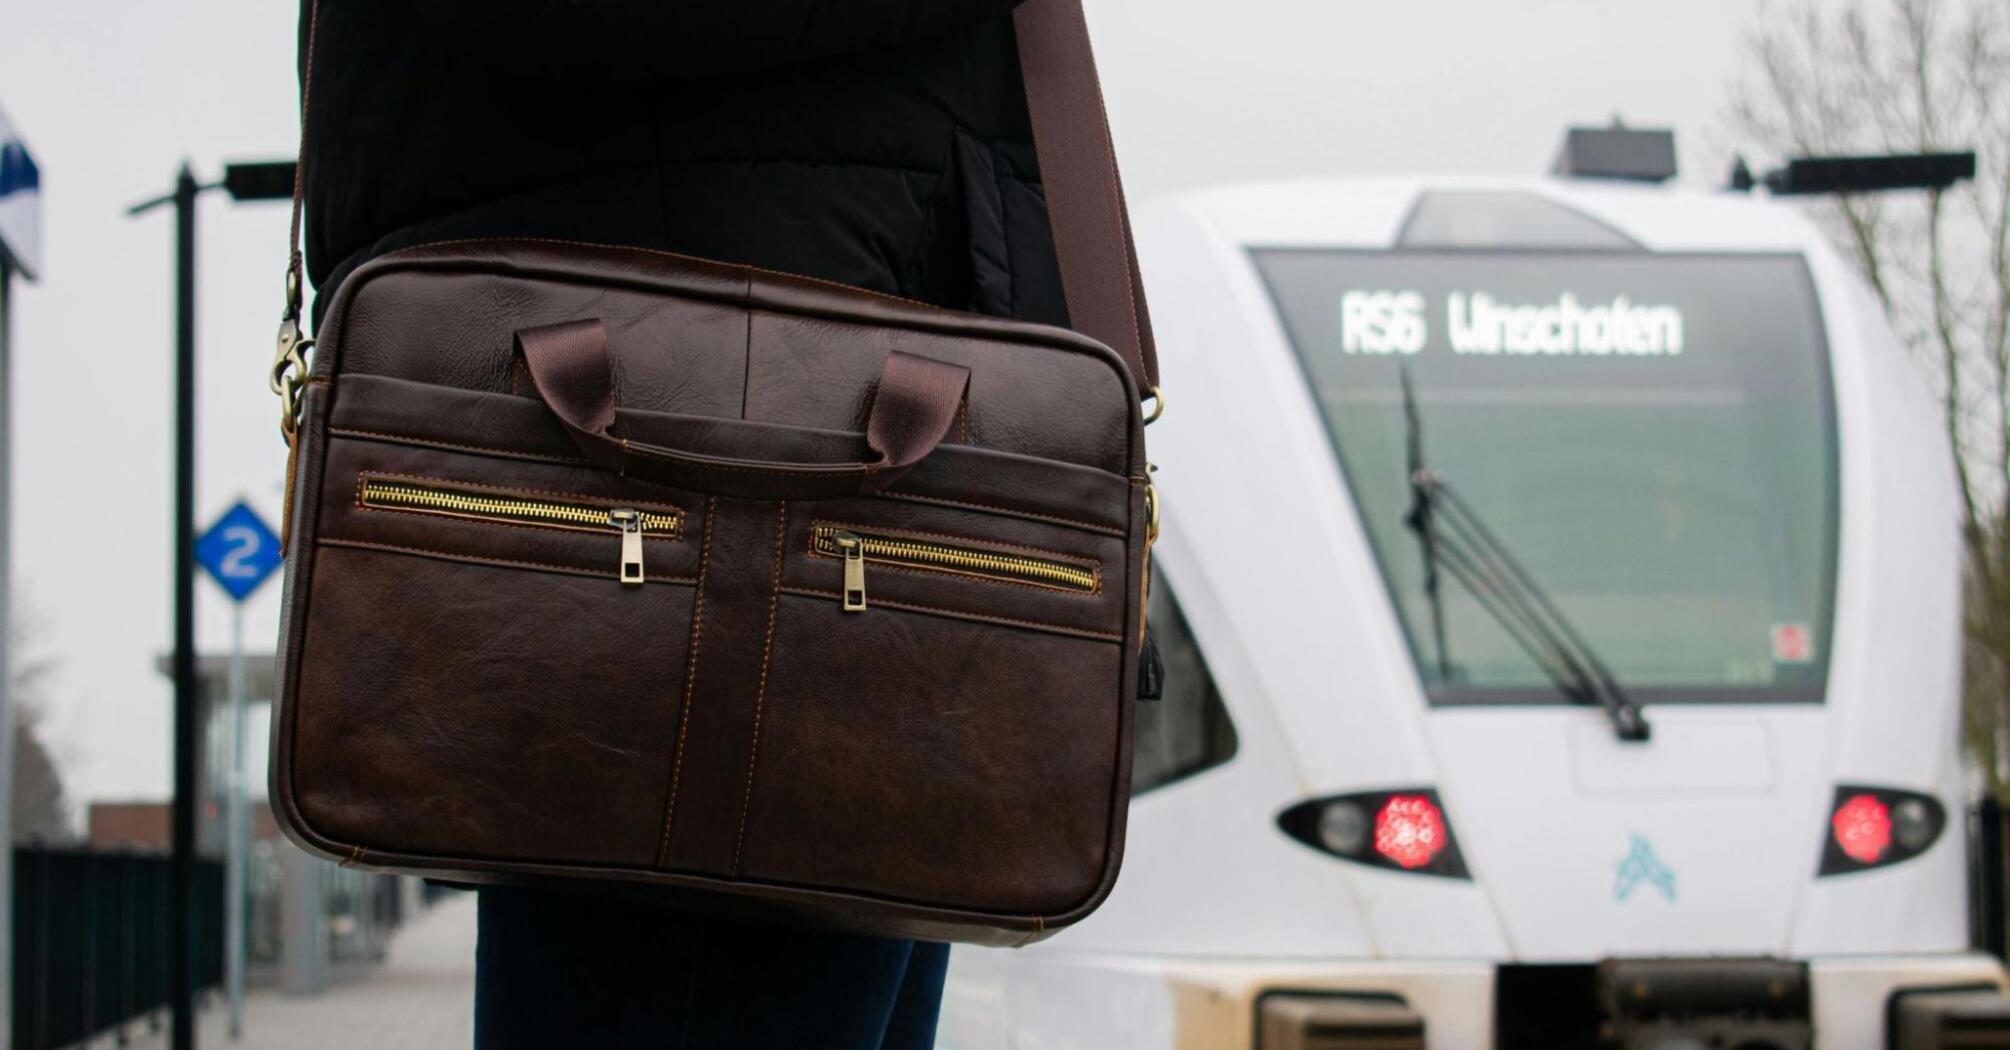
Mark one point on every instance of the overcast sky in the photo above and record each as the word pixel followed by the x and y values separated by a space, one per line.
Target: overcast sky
pixel 112 94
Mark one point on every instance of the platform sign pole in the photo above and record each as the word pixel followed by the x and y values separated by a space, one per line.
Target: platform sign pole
pixel 234 895
pixel 240 552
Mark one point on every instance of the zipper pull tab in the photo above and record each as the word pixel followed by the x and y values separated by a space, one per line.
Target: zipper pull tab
pixel 853 550
pixel 630 524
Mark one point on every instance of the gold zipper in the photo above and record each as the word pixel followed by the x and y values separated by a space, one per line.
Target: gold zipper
pixel 856 549
pixel 632 524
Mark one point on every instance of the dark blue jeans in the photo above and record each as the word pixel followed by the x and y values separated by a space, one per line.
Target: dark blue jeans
pixel 563 970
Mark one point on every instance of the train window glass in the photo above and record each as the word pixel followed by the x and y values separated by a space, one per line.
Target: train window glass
pixel 1650 435
pixel 1186 730
pixel 1503 219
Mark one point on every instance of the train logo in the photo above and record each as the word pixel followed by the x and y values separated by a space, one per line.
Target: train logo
pixel 1641 865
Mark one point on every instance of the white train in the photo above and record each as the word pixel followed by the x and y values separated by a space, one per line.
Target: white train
pixel 1468 484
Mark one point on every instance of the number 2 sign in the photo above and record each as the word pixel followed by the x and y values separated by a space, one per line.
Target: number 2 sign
pixel 239 551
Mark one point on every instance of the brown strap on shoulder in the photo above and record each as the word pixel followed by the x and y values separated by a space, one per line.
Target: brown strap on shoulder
pixel 1085 194
pixel 1078 170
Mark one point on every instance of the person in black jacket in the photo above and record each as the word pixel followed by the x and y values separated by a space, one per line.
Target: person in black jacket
pixel 878 143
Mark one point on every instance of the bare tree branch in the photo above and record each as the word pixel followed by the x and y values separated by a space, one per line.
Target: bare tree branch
pixel 1874 76
pixel 38 808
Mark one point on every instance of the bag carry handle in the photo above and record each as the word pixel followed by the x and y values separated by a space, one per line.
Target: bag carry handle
pixel 913 408
pixel 1078 171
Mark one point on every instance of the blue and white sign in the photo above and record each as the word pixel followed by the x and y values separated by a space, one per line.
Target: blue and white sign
pixel 239 551
pixel 20 202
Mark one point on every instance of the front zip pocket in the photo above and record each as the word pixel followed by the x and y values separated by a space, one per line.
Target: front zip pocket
pixel 856 549
pixel 630 523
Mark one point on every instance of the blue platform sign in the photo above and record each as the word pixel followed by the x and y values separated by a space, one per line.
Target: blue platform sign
pixel 239 551
pixel 20 203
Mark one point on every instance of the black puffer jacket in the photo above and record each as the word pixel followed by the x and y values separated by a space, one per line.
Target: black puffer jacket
pixel 879 143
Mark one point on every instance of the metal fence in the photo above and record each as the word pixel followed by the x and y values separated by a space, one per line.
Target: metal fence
pixel 1989 927
pixel 90 938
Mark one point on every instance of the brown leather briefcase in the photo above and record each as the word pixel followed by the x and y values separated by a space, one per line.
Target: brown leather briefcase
pixel 763 594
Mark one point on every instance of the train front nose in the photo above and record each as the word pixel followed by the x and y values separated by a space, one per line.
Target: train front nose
pixel 1695 842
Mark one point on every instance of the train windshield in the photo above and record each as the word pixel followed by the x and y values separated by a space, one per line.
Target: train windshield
pixel 1650 436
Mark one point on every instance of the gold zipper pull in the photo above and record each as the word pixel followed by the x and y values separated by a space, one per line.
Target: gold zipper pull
pixel 630 524
pixel 853 549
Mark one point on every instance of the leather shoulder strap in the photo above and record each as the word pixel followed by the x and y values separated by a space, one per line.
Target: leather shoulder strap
pixel 1085 195
pixel 1078 170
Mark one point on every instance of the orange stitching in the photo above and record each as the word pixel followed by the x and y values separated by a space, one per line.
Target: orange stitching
pixel 690 682
pixel 608 501
pixel 1107 530
pixel 478 559
pixel 761 691
pixel 674 536
pixel 1092 564
pixel 1100 636
pixel 829 470
pixel 963 316
pixel 676 530
pixel 350 432
pixel 346 294
pixel 1087 526
pixel 929 570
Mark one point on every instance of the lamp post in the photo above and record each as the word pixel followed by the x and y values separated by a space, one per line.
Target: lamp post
pixel 20 256
pixel 7 698
pixel 270 180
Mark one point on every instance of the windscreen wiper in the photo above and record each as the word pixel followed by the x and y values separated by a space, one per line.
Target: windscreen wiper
pixel 1457 542
pixel 1422 521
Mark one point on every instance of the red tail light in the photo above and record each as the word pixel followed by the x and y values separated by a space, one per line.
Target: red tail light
pixel 1870 827
pixel 1862 827
pixel 1403 830
pixel 1409 831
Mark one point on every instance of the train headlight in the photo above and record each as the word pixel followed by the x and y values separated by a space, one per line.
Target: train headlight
pixel 1914 824
pixel 1343 827
pixel 1400 830
pixel 1870 827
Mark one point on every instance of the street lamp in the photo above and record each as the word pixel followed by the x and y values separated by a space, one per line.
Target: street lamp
pixel 20 253
pixel 263 180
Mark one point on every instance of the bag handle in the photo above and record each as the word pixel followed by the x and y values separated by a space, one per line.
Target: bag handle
pixel 1086 212
pixel 913 408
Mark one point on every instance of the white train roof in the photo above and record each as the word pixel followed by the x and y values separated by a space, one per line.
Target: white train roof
pixel 1371 212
